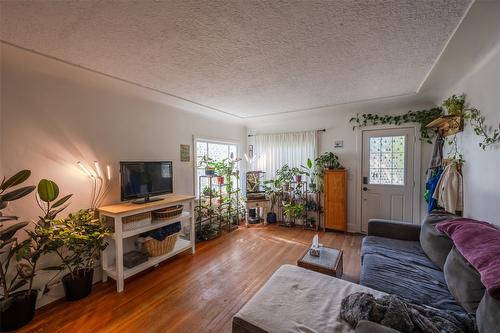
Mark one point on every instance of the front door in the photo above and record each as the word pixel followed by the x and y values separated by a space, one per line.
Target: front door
pixel 388 175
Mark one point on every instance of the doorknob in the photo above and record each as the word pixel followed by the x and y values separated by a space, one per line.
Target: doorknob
pixel 365 188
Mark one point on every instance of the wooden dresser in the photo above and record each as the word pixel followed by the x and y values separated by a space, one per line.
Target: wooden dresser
pixel 335 199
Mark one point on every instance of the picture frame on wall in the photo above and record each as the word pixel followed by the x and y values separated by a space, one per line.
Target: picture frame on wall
pixel 185 156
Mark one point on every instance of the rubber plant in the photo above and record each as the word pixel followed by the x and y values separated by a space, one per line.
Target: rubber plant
pixel 17 265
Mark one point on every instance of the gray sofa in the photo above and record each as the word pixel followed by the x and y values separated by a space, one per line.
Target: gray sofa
pixel 415 262
pixel 422 265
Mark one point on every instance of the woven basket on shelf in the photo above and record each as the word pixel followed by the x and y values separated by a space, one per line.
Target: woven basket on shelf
pixel 167 213
pixel 136 221
pixel 156 248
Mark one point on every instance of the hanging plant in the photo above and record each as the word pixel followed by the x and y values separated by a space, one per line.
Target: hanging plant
pixel 423 117
pixel 476 120
pixel 455 105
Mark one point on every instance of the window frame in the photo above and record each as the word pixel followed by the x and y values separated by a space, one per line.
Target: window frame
pixel 197 139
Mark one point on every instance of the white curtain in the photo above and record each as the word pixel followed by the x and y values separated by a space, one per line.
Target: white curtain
pixel 272 151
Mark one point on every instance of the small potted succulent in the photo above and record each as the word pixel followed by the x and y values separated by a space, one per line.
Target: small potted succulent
pixel 77 240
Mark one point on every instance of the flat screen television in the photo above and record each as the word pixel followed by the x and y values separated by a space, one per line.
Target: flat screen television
pixel 143 180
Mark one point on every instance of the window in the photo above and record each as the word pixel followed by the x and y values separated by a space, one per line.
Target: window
pixel 272 151
pixel 216 150
pixel 387 160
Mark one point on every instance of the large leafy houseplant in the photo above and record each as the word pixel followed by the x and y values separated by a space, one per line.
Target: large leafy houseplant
pixel 285 175
pixel 77 241
pixel 18 260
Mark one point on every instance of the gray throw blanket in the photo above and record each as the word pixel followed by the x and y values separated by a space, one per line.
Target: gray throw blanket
pixel 397 313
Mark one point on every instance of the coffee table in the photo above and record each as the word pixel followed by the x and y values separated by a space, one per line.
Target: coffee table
pixel 329 262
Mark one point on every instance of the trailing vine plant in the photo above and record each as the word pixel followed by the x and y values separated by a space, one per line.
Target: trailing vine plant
pixel 455 106
pixel 423 117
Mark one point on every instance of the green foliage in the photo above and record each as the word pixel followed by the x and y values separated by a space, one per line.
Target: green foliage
pixel 284 174
pixel 15 254
pixel 76 239
pixel 47 190
pixel 455 105
pixel 274 190
pixel 292 210
pixel 328 160
pixel 47 199
pixel 490 135
pixel 423 117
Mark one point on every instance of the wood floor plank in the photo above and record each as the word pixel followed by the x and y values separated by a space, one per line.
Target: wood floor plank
pixel 193 293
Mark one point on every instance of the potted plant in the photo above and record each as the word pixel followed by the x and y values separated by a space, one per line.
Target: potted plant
pixel 309 171
pixel 206 162
pixel 17 307
pixel 285 176
pixel 328 160
pixel 297 173
pixel 77 240
pixel 292 212
pixel 455 105
pixel 310 222
pixel 273 190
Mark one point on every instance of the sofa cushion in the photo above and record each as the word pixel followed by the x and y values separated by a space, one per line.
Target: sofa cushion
pixel 464 282
pixel 295 299
pixel 479 243
pixel 487 315
pixel 402 268
pixel 436 244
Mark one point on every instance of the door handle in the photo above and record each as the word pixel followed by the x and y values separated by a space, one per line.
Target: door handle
pixel 365 188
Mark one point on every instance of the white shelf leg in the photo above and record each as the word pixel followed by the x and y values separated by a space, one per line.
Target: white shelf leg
pixel 191 222
pixel 104 261
pixel 119 254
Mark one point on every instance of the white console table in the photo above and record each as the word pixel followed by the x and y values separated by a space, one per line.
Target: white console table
pixel 116 270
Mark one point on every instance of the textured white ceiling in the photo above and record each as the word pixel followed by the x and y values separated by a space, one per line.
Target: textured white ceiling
pixel 245 57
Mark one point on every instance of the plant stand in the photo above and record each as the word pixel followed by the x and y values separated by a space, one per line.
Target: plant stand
pixel 212 218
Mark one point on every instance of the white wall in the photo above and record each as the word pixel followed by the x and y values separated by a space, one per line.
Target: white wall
pixel 54 115
pixel 481 171
pixel 336 122
pixel 471 65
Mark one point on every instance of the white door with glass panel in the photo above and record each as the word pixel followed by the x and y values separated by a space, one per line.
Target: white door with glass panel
pixel 388 179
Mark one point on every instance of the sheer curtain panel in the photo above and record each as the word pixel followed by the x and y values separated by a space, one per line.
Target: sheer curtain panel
pixel 272 151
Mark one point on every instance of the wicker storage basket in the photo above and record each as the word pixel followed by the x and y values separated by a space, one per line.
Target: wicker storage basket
pixel 136 221
pixel 156 248
pixel 167 213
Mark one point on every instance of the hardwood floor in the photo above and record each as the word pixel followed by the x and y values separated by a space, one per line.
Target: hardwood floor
pixel 193 293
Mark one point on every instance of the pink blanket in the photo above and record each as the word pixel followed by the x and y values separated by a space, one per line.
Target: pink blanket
pixel 479 243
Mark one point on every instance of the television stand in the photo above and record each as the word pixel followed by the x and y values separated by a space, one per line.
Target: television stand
pixel 112 256
pixel 146 200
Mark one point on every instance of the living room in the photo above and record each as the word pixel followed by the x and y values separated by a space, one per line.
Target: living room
pixel 167 165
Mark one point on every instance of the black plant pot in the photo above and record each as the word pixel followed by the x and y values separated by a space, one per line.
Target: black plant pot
pixel 20 312
pixel 271 217
pixel 80 286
